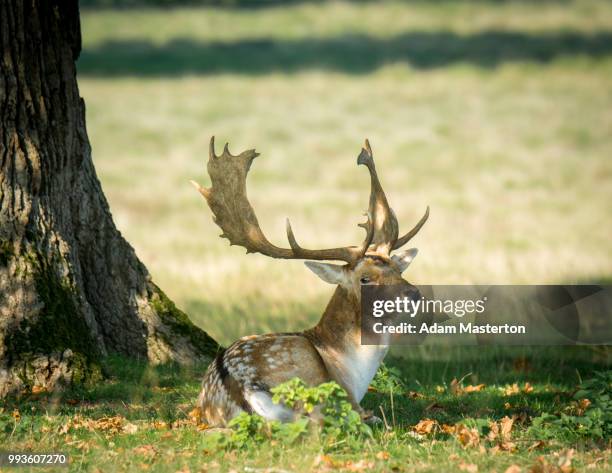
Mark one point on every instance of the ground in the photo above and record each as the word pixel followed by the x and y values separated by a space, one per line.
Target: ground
pixel 496 114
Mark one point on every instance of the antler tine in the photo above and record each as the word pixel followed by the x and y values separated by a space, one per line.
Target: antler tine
pixel 227 198
pixel 401 241
pixel 349 254
pixel 383 220
pixel 369 228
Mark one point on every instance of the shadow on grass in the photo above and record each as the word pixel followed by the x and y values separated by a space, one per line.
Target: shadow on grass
pixel 354 54
pixel 554 372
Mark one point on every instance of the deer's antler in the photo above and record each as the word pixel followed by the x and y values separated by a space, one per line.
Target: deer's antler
pixel 386 229
pixel 227 198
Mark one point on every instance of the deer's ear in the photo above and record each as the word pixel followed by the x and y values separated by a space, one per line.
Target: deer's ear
pixel 331 273
pixel 404 258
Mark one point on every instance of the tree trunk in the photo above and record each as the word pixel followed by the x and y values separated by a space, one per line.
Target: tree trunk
pixel 71 288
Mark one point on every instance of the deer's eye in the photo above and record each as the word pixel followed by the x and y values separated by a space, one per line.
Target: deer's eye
pixel 364 280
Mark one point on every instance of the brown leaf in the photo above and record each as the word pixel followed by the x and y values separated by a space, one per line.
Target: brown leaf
pixel 527 388
pixel 474 388
pixel 512 390
pixel 425 426
pixel 383 455
pixel 505 427
pixel 507 446
pixel 325 460
pixel 16 414
pixel 361 465
pixel 541 466
pixel 196 415
pixel 455 387
pixel 513 469
pixel 468 437
pixel 565 460
pixel 146 450
pixel 413 395
pixel 130 428
pixel 582 405
pixel 448 429
pixel 38 389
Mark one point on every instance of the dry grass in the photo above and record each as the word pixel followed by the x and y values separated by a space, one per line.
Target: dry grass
pixel 513 157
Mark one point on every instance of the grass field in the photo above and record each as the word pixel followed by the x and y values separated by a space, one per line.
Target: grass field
pixel 496 114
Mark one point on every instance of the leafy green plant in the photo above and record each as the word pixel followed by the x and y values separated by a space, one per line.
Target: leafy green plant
pixel 323 410
pixel 388 380
pixel 334 412
pixel 588 415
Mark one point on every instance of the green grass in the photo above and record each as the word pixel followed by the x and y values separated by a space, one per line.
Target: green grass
pixel 496 114
pixel 152 428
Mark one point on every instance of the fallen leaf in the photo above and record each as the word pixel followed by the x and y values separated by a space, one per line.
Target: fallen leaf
pixel 361 465
pixel 448 429
pixel 473 389
pixel 506 427
pixel 513 469
pixel 196 415
pixel 16 414
pixel 383 455
pixel 468 437
pixel 38 389
pixel 413 395
pixel 130 428
pixel 507 405
pixel 425 426
pixel 527 388
pixel 512 390
pixel 455 387
pixel 565 460
pixel 582 405
pixel 146 450
pixel 325 460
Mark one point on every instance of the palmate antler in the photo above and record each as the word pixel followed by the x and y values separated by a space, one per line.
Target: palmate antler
pixel 386 228
pixel 227 198
pixel 232 211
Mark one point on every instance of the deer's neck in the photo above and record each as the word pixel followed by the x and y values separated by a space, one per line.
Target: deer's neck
pixel 337 337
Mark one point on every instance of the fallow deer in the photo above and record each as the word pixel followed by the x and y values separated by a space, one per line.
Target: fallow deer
pixel 240 377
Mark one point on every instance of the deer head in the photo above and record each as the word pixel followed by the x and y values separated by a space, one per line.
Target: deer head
pixel 372 262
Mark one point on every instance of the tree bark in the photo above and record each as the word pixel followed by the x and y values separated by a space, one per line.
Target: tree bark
pixel 71 288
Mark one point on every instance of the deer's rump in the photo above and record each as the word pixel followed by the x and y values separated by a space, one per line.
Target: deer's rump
pixel 240 378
